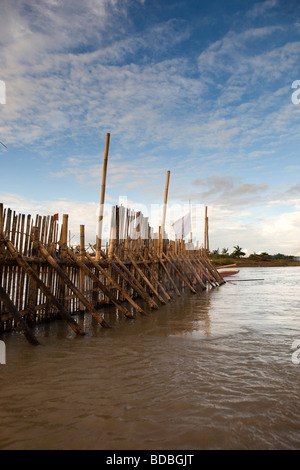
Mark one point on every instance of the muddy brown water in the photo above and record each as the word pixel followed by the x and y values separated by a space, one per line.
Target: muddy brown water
pixel 215 370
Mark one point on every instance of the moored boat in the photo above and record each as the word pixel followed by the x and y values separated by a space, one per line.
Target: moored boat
pixel 232 272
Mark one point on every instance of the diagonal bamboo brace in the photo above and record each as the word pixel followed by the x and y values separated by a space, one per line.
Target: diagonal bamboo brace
pixel 32 274
pixel 155 275
pixel 180 273
pixel 146 280
pixel 142 292
pixel 20 323
pixel 70 284
pixel 115 284
pixel 104 289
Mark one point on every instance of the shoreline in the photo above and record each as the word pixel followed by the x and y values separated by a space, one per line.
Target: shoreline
pixel 257 264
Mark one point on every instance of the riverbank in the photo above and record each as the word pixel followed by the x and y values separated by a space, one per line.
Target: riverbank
pixel 246 263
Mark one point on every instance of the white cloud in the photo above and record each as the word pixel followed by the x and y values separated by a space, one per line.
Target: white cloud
pixel 73 70
pixel 263 8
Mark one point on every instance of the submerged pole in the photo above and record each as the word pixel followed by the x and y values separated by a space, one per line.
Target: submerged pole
pixel 102 198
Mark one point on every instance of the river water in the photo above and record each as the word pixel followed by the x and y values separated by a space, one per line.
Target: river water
pixel 213 370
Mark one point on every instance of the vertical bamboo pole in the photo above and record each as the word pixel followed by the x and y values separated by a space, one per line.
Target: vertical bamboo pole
pixel 33 288
pixel 82 256
pixel 1 227
pixel 205 230
pixel 102 198
pixel 160 241
pixel 63 289
pixel 163 222
pixel 64 235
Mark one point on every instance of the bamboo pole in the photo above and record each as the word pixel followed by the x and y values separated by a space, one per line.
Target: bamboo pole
pixel 159 282
pixel 169 277
pixel 24 265
pixel 205 230
pixel 180 274
pixel 163 222
pixel 64 236
pixel 127 275
pixel 144 294
pixel 146 280
pixel 99 283
pixel 71 285
pixel 33 288
pixel 102 198
pixel 19 321
pixel 115 284
pixel 195 272
pixel 208 277
pixel 1 227
pixel 226 266
pixel 82 253
pixel 155 277
pixel 213 271
pixel 206 238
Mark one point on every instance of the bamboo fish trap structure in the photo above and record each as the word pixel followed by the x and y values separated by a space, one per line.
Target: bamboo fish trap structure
pixel 43 278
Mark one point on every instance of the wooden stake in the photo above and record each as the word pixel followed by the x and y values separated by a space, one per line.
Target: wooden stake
pixel 102 198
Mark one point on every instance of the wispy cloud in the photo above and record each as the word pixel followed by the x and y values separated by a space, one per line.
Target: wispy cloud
pixel 219 114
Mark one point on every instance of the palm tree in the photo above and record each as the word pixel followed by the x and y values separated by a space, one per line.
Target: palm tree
pixel 237 253
pixel 225 251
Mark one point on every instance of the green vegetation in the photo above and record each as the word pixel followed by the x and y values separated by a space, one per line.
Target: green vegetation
pixel 223 258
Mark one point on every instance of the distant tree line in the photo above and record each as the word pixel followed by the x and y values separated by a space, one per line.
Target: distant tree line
pixel 238 253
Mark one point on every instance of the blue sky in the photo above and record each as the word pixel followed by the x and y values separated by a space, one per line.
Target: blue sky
pixel 200 88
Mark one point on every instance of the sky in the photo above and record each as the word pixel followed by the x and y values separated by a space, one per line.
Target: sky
pixel 204 89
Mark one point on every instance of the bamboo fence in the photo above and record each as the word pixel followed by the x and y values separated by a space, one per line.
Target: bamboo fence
pixel 42 278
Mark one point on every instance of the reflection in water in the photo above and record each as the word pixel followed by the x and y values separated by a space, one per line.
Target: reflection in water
pixel 206 371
